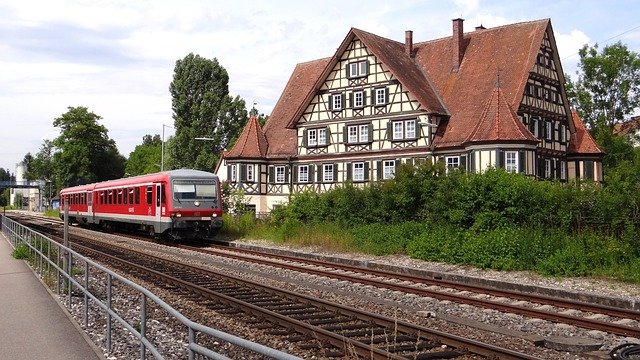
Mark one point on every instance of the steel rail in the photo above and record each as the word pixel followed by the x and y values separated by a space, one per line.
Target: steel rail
pixel 336 340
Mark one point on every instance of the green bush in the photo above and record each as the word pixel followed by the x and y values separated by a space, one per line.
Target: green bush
pixel 21 252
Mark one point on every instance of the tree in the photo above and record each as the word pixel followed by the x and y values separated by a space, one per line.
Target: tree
pixel 41 166
pixel 203 108
pixel 607 88
pixel 85 152
pixel 146 157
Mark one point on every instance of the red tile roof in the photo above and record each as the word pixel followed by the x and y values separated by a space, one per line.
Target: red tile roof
pixel 509 50
pixel 251 144
pixel 282 140
pixel 581 142
pixel 627 127
pixel 499 122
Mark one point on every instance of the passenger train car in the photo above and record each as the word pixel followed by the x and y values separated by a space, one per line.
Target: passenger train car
pixel 178 203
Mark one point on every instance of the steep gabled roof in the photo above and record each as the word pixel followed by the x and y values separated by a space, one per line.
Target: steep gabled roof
pixel 283 140
pixel 582 142
pixel 252 143
pixel 499 123
pixel 509 50
pixel 391 54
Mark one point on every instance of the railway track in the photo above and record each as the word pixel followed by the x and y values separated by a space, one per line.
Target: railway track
pixel 348 331
pixel 535 306
pixel 441 289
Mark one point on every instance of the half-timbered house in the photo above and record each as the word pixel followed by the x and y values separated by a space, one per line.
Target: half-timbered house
pixel 481 99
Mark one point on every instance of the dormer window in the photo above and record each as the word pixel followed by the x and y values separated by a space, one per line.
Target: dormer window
pixel 357 69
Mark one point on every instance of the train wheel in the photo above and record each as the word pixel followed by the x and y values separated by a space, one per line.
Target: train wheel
pixel 151 230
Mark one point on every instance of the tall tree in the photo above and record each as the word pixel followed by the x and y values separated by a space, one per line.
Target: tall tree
pixel 144 159
pixel 85 151
pixel 41 166
pixel 203 108
pixel 608 85
pixel 28 164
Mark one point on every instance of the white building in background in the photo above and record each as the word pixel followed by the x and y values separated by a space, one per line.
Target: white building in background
pixel 33 196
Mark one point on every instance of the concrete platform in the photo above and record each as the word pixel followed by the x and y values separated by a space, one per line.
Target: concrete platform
pixel 33 325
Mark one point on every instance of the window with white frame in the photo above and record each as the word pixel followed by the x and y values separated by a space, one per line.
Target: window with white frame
pixel 280 174
pixel 358 171
pixel 511 161
pixel 547 168
pixel 353 134
pixel 563 170
pixel 563 133
pixel 453 162
pixel 316 137
pixel 312 137
pixel 358 133
pixel 358 69
pixel 549 133
pixel 398 130
pixel 404 130
pixel 234 172
pixel 364 133
pixel 358 99
pixel 380 96
pixel 303 173
pixel 336 102
pixel 535 126
pixel 327 173
pixel 388 169
pixel 250 172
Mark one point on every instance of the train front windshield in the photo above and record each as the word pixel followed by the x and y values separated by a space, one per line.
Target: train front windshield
pixel 194 190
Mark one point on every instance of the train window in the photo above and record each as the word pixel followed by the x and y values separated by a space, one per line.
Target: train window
pixel 119 200
pixel 188 190
pixel 125 198
pixel 149 195
pixel 163 199
pixel 130 196
pixel 137 190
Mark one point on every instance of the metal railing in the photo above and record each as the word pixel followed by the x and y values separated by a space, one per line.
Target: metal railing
pixel 56 263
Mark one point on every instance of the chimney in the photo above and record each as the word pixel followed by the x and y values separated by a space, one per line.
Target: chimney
pixel 457 44
pixel 408 43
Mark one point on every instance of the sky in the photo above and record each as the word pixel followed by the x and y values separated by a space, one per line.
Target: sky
pixel 117 57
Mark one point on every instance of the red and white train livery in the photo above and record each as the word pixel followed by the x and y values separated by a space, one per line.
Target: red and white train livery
pixel 180 203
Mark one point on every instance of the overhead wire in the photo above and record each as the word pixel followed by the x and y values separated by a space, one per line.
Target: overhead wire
pixel 607 40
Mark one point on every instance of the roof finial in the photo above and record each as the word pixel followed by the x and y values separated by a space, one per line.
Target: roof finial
pixel 498 78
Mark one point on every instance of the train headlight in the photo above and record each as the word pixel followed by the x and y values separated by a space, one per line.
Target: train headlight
pixel 178 215
pixel 196 203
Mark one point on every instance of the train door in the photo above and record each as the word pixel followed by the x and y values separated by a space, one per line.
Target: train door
pixel 89 196
pixel 158 206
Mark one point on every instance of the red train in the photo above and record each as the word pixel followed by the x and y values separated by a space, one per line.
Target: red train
pixel 178 203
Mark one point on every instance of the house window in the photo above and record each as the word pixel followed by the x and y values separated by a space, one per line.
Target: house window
pixel 353 134
pixel 380 96
pixel 280 174
pixel 250 173
pixel 511 161
pixel 358 133
pixel 410 129
pixel 303 173
pixel 234 172
pixel 547 168
pixel 548 134
pixel 563 133
pixel 322 136
pixel 358 99
pixel 364 133
pixel 563 170
pixel 389 169
pixel 453 162
pixel 358 171
pixel 358 69
pixel 397 130
pixel 336 102
pixel 404 130
pixel 327 173
pixel 536 133
pixel 312 137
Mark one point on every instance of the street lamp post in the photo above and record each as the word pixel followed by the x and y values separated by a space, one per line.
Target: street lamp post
pixel 162 147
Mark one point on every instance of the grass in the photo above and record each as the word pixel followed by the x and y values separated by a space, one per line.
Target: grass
pixel 21 252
